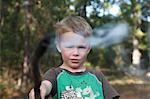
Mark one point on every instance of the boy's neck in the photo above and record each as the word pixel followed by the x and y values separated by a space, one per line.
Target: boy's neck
pixel 81 69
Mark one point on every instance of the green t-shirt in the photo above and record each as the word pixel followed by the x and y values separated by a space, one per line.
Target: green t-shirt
pixel 89 84
pixel 85 86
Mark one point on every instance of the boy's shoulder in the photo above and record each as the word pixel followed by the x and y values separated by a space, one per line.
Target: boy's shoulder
pixel 56 71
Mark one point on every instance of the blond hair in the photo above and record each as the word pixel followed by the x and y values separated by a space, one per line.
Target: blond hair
pixel 74 24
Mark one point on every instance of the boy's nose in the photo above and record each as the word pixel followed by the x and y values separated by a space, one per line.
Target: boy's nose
pixel 76 52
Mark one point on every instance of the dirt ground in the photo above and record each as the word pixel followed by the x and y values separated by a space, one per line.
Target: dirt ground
pixel 134 91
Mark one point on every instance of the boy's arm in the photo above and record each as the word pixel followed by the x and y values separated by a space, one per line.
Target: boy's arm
pixel 108 91
pixel 46 86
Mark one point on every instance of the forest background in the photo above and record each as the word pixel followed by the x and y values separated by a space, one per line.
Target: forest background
pixel 124 59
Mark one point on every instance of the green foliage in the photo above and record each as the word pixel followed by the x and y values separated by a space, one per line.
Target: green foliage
pixel 45 13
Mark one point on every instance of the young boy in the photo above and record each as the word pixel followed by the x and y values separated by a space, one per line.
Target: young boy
pixel 72 80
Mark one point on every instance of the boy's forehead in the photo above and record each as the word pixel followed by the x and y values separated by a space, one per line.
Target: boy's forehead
pixel 73 38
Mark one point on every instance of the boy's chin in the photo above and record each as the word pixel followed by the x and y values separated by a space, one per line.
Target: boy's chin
pixel 75 66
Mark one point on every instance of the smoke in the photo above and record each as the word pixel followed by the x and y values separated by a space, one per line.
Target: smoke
pixel 109 34
pixel 103 36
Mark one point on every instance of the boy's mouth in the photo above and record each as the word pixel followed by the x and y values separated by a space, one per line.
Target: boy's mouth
pixel 75 61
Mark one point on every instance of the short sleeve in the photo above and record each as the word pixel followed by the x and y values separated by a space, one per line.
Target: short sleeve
pixel 108 90
pixel 51 76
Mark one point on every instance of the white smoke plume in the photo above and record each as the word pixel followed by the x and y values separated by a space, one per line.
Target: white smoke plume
pixel 109 34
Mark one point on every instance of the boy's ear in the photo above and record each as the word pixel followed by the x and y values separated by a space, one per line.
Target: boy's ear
pixel 58 48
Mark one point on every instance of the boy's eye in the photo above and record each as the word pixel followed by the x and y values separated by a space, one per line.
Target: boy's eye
pixel 82 47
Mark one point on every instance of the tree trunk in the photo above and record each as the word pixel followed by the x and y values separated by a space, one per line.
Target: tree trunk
pixel 28 22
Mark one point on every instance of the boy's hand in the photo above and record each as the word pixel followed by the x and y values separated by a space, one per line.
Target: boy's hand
pixel 45 89
pixel 42 93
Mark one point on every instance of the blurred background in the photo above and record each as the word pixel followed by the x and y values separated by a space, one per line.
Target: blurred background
pixel 121 42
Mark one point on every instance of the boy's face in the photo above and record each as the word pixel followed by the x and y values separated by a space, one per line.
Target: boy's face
pixel 74 49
